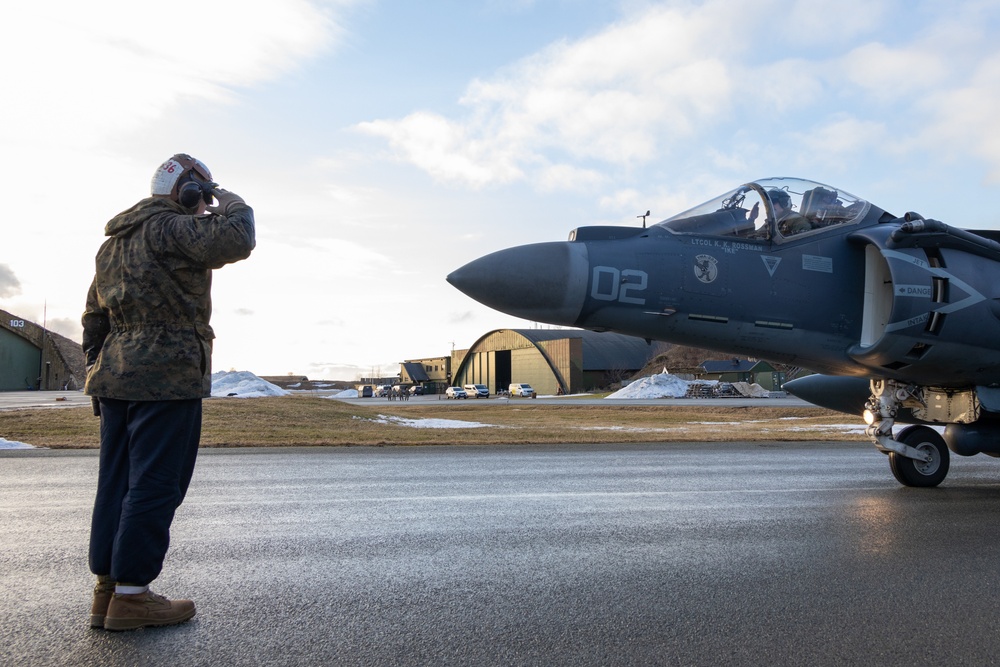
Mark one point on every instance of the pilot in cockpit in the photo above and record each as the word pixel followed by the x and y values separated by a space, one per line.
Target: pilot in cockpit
pixel 822 207
pixel 788 221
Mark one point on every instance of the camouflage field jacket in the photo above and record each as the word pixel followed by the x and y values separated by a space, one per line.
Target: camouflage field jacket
pixel 145 330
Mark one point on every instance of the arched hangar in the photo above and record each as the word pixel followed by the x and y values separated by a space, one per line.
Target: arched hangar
pixel 569 361
pixel 32 357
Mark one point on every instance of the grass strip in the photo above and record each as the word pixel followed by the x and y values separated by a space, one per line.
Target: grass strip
pixel 312 421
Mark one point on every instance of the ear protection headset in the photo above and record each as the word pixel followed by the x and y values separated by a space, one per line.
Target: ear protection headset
pixel 185 180
pixel 193 191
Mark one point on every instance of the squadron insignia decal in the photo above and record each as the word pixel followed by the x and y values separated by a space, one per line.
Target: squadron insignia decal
pixel 706 268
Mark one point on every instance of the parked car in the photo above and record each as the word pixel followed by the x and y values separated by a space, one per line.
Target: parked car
pixel 455 392
pixel 521 390
pixel 477 390
pixel 416 390
pixel 365 391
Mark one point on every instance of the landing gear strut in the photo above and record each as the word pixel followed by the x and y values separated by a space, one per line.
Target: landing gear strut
pixel 918 456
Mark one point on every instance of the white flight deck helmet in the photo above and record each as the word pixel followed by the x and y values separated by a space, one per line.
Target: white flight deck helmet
pixel 185 180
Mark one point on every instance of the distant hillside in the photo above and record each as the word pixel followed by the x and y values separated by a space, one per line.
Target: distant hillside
pixel 682 360
pixel 677 359
pixel 303 383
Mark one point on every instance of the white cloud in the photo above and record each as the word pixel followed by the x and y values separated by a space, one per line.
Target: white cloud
pixel 9 284
pixel 620 198
pixel 447 150
pixel 819 23
pixel 893 74
pixel 838 136
pixel 567 177
pixel 786 86
pixel 617 97
pixel 966 119
pixel 675 83
pixel 100 69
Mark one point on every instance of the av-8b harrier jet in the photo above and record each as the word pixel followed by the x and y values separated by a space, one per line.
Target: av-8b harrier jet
pixel 898 316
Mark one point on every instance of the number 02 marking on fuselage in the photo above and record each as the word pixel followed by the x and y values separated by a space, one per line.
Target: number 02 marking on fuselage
pixel 611 284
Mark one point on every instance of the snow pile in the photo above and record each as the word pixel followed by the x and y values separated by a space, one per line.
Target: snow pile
pixel 347 393
pixel 13 444
pixel 661 385
pixel 665 385
pixel 243 384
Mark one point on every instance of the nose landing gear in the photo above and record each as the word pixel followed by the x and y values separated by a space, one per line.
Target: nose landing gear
pixel 930 471
pixel 918 455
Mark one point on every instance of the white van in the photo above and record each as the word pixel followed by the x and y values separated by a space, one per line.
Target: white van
pixel 477 390
pixel 521 390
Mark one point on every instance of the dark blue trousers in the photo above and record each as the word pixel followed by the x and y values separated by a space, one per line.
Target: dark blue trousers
pixel 148 451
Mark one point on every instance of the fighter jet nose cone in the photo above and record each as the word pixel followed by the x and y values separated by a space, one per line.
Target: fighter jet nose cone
pixel 543 282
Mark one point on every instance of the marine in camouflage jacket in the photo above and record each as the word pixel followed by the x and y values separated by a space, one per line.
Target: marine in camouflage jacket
pixel 145 330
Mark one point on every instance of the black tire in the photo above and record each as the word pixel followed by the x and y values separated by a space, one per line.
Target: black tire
pixel 917 473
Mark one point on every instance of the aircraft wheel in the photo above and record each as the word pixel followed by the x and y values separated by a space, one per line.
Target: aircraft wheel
pixel 917 473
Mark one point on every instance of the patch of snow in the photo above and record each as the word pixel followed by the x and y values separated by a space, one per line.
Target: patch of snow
pixel 13 444
pixel 243 384
pixel 426 423
pixel 632 429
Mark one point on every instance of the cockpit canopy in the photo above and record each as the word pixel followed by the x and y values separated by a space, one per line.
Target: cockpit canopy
pixel 772 208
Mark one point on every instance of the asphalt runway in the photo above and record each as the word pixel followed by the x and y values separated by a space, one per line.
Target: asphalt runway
pixel 675 554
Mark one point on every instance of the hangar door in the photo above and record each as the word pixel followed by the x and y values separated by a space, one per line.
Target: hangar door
pixel 503 372
pixel 19 363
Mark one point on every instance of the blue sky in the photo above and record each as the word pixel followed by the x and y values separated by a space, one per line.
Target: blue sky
pixel 384 144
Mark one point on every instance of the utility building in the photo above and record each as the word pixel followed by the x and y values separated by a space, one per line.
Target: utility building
pixel 433 373
pixel 744 370
pixel 552 361
pixel 31 357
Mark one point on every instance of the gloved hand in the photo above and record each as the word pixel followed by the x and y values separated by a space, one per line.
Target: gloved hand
pixel 225 199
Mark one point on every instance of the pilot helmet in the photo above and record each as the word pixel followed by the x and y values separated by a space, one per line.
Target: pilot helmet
pixel 826 196
pixel 778 196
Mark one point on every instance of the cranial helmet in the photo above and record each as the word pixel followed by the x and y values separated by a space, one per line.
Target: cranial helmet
pixel 183 179
pixel 778 196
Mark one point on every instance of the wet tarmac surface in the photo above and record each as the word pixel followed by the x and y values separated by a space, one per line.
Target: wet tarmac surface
pixel 20 400
pixel 678 554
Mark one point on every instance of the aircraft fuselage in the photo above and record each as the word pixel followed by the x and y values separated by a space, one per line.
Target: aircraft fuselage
pixel 799 273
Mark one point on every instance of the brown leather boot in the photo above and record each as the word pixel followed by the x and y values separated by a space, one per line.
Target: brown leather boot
pixel 103 591
pixel 145 610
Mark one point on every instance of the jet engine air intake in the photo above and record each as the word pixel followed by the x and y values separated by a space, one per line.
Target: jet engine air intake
pixel 906 304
